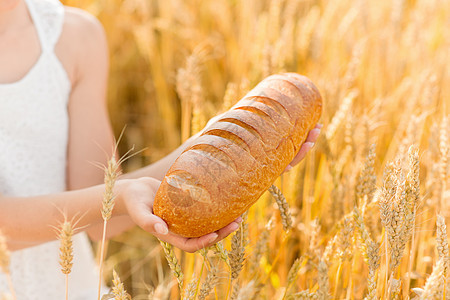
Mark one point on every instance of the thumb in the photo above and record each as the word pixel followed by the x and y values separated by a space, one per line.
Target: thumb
pixel 141 214
pixel 149 222
pixel 139 205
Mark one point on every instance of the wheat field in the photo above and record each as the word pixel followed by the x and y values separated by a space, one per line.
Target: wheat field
pixel 364 215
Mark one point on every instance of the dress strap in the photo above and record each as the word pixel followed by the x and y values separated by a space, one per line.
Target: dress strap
pixel 48 18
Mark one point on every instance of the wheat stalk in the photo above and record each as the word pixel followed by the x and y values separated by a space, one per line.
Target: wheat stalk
pixel 112 171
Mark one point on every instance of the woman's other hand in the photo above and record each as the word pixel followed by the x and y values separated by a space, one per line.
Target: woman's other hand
pixel 307 145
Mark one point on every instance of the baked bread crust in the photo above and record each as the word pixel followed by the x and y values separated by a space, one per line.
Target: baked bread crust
pixel 238 157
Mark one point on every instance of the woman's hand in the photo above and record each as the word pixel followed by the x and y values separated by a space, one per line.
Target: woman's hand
pixel 307 145
pixel 137 197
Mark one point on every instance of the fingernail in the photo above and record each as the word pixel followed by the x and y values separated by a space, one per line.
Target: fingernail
pixel 309 144
pixel 288 168
pixel 238 220
pixel 161 229
pixel 319 125
pixel 213 237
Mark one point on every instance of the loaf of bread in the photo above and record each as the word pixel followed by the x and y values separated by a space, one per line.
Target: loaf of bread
pixel 238 157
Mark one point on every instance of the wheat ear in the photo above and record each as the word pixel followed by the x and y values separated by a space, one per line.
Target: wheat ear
pixel 173 262
pixel 443 250
pixel 210 282
pixel 191 289
pixel 236 257
pixel 118 289
pixel 220 251
pixel 434 287
pixel 370 250
pixel 283 206
pixel 303 295
pixel 247 291
pixel 292 275
pixel 5 259
pixel 323 281
pixel 367 178
pixel 65 233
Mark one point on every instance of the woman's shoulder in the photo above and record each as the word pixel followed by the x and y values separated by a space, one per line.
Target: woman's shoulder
pixel 82 23
pixel 82 38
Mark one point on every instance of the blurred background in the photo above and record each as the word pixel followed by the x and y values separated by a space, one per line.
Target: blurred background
pixel 382 68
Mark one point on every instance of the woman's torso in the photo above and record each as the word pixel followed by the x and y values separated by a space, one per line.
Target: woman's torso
pixel 33 141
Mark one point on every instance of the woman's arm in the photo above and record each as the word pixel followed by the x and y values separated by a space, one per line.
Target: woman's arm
pixel 28 221
pixel 159 168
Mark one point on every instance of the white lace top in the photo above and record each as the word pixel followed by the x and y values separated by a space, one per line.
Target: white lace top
pixel 33 145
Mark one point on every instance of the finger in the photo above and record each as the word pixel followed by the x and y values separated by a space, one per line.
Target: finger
pixel 190 244
pixel 307 145
pixel 145 219
pixel 226 231
pixel 313 135
pixel 300 155
pixel 195 244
